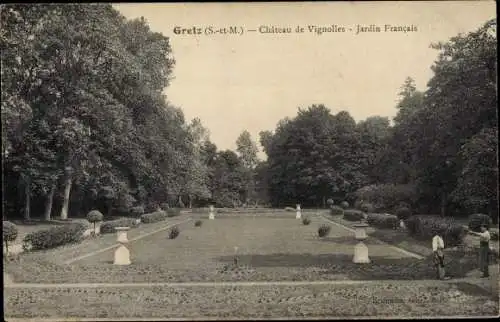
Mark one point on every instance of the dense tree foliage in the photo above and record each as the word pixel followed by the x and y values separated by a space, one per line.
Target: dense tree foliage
pixel 86 125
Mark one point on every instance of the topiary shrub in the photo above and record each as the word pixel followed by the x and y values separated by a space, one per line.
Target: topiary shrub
pixel 10 233
pixel 306 221
pixel 353 215
pixel 336 210
pixel 477 220
pixel 153 217
pixel 56 236
pixel 403 213
pixel 172 212
pixel 426 227
pixel 94 217
pixel 289 209
pixel 164 206
pixel 108 227
pixel 367 207
pixel 137 211
pixel 173 233
pixel 330 202
pixel 198 223
pixel 324 230
pixel 344 205
pixel 383 221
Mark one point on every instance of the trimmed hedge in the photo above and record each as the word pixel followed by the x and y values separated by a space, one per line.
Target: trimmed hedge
pixel 56 236
pixel 172 212
pixel 426 227
pixel 108 227
pixel 384 221
pixel 353 215
pixel 336 210
pixel 153 217
pixel 137 211
pixel 367 208
pixel 289 209
pixel 476 220
pixel 403 213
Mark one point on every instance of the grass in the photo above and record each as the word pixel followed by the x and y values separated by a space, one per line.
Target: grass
pixel 269 249
pixel 385 299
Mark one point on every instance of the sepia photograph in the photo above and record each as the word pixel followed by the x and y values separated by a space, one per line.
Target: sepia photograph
pixel 249 161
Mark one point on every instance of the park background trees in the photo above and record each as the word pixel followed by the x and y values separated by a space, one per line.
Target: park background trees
pixel 86 125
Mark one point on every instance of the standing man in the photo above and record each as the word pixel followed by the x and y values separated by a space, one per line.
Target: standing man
pixel 484 249
pixel 438 251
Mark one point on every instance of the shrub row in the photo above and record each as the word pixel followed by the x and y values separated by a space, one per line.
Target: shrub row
pixel 154 217
pixel 353 215
pixel 336 210
pixel 426 227
pixel 172 212
pixel 137 211
pixel 477 220
pixel 108 227
pixel 55 236
pixel 383 221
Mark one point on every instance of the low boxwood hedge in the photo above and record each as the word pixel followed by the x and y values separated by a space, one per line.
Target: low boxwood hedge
pixel 55 236
pixel 384 221
pixel 154 217
pixel 172 212
pixel 353 215
pixel 108 227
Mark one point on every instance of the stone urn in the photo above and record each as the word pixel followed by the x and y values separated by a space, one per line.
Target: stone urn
pixel 298 215
pixel 122 254
pixel 211 214
pixel 361 250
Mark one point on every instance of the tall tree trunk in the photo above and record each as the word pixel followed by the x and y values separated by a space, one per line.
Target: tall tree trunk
pixel 49 202
pixel 190 202
pixel 27 204
pixel 443 204
pixel 67 191
pixel 324 202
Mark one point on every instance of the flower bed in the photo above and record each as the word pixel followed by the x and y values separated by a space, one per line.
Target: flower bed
pixel 388 299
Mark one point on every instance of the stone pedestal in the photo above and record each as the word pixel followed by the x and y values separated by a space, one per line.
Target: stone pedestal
pixel 298 215
pixel 361 250
pixel 211 214
pixel 122 254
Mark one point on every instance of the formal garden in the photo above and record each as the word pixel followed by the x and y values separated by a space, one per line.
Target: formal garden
pixel 115 205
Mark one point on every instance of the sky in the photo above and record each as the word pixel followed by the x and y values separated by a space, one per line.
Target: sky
pixel 252 80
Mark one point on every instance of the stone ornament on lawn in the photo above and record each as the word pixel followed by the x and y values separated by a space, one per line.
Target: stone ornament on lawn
pixel 211 212
pixel 299 215
pixel 361 250
pixel 122 254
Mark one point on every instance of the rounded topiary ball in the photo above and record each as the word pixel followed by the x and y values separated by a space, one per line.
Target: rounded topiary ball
pixel 10 231
pixel 94 216
pixel 344 204
pixel 329 202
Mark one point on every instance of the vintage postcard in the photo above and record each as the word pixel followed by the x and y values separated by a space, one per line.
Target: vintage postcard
pixel 249 161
